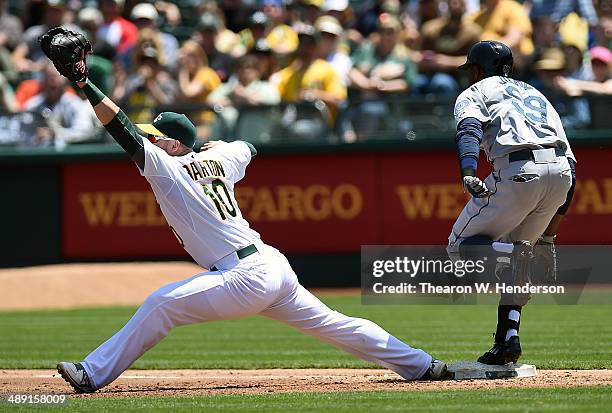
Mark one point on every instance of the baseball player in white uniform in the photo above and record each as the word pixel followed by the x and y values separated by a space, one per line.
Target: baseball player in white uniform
pixel 246 277
pixel 523 200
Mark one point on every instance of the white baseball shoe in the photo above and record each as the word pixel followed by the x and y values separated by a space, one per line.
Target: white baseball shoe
pixel 436 371
pixel 76 376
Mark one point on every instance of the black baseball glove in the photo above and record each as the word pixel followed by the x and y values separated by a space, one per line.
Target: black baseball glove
pixel 67 50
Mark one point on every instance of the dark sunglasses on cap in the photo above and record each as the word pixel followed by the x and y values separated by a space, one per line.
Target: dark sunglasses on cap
pixel 155 138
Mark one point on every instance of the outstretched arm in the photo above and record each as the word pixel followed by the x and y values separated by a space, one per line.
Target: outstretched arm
pixel 68 51
pixel 115 121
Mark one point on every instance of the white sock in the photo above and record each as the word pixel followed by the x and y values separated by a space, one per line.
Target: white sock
pixel 505 247
pixel 514 315
pixel 511 333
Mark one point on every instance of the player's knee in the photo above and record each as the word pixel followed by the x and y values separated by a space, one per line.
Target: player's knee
pixel 474 247
pixel 156 299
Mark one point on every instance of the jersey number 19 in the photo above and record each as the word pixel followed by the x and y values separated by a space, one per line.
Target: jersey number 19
pixel 532 107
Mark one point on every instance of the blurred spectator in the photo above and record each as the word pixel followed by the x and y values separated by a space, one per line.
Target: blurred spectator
pixel 10 35
pixel 265 59
pixel 8 103
pixel 282 39
pixel 146 37
pixel 309 78
pixel 601 58
pixel 69 119
pixel 558 9
pixel 329 41
pixel 380 70
pixel 145 16
pixel 428 10
pixel 342 11
pixel 258 28
pixel 196 79
pixel 337 9
pixel 100 62
pixel 170 13
pixel 384 67
pixel 366 16
pixel 236 13
pixel 574 112
pixel 603 30
pixel 206 36
pixel 574 37
pixel 90 20
pixel 312 9
pixel 10 28
pixel 28 54
pixel 445 43
pixel 146 86
pixel 544 37
pixel 245 88
pixel 116 30
pixel 506 21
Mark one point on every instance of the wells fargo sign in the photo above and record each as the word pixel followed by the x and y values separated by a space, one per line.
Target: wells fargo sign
pixel 311 204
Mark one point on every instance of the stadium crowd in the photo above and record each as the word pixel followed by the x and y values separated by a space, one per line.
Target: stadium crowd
pixel 212 59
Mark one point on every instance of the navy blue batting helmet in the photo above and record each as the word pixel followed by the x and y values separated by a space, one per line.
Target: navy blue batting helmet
pixel 494 58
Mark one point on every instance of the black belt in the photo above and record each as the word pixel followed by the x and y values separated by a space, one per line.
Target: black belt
pixel 242 253
pixel 527 154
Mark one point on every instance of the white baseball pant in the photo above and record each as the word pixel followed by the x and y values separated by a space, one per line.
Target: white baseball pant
pixel 262 283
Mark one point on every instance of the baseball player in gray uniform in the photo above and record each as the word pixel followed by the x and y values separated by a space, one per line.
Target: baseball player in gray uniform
pixel 195 192
pixel 523 200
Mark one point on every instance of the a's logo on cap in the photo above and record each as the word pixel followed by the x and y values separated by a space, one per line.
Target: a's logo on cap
pixel 157 118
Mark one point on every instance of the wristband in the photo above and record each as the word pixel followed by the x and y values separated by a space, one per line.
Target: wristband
pixel 94 95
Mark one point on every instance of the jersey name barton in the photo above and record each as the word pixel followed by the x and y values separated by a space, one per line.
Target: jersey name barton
pixel 204 169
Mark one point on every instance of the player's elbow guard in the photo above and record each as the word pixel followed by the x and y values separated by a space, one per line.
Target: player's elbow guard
pixel 468 138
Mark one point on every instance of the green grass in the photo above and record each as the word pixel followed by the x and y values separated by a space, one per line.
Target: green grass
pixel 552 336
pixel 582 399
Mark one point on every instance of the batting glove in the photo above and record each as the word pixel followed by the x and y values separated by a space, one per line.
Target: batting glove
pixel 476 186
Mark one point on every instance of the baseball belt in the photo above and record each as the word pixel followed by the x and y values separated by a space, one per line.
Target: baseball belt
pixel 527 154
pixel 242 253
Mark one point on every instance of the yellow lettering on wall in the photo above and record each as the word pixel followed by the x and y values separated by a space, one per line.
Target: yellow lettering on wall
pixel 317 202
pixel 122 209
pixel 451 201
pixel 99 208
pixel 354 205
pixel 589 198
pixel 441 201
pixel 264 206
pixel 290 203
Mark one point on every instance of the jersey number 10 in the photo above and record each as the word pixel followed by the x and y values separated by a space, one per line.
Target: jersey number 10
pixel 532 107
pixel 218 193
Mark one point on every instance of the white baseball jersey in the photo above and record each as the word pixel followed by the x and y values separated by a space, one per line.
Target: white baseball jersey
pixel 515 116
pixel 196 195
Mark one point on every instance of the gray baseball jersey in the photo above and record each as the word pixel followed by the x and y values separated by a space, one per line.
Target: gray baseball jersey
pixel 515 116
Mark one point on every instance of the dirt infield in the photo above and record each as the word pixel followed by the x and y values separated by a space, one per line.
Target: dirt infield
pixel 134 383
pixel 98 285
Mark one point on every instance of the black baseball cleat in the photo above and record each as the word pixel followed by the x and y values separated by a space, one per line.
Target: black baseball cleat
pixel 503 353
pixel 76 376
pixel 436 371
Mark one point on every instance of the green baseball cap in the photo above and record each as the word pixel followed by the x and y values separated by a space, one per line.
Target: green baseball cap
pixel 171 125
